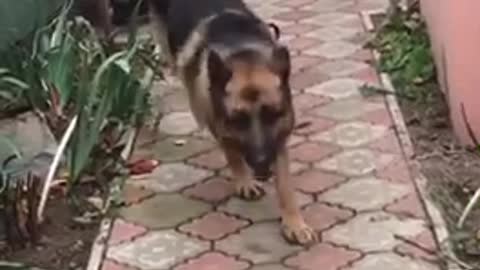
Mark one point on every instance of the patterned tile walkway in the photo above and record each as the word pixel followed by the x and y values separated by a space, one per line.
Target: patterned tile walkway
pixel 348 168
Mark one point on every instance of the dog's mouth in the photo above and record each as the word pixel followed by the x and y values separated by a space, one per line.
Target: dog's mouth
pixel 263 175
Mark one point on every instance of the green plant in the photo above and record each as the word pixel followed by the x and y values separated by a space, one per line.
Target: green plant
pixel 11 90
pixel 18 19
pixel 71 78
pixel 406 55
pixel 20 181
pixel 12 152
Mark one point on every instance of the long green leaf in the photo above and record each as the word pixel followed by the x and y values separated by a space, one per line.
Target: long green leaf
pixel 58 34
pixel 3 71
pixel 14 82
pixel 61 70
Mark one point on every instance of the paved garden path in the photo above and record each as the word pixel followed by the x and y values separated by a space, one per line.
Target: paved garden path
pixel 349 170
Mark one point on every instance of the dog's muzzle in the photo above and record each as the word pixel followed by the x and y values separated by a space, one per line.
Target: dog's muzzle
pixel 261 167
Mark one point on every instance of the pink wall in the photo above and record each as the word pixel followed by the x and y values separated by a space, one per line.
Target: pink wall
pixel 454 27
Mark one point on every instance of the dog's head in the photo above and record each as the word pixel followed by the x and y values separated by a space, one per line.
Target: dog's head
pixel 251 100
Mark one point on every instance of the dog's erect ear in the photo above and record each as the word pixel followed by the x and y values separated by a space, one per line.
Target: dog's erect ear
pixel 275 30
pixel 281 62
pixel 218 71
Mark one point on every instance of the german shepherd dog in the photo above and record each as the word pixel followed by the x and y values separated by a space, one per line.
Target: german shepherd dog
pixel 237 78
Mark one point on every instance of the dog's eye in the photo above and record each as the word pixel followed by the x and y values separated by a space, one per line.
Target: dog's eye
pixel 240 120
pixel 270 115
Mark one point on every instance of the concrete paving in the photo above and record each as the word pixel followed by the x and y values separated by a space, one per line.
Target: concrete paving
pixel 348 169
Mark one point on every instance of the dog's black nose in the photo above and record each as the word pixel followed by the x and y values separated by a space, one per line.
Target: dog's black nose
pixel 260 161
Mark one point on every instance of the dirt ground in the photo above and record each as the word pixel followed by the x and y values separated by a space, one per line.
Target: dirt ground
pixel 65 244
pixel 452 170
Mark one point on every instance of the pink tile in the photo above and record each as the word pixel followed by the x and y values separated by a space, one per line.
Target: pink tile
pixel 123 231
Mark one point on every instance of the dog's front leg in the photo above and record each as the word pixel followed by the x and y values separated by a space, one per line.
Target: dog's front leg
pixel 294 228
pixel 245 186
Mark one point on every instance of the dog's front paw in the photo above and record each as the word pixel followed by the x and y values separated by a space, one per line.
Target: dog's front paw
pixel 249 190
pixel 297 232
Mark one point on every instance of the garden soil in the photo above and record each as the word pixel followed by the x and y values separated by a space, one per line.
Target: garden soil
pixel 64 244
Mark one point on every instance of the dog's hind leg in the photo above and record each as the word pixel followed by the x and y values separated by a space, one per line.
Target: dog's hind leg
pixel 245 186
pixel 294 228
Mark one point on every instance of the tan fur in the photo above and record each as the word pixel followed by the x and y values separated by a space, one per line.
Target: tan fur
pixel 247 78
pixel 200 99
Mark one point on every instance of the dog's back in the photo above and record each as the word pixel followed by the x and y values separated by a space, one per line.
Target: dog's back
pixel 182 17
